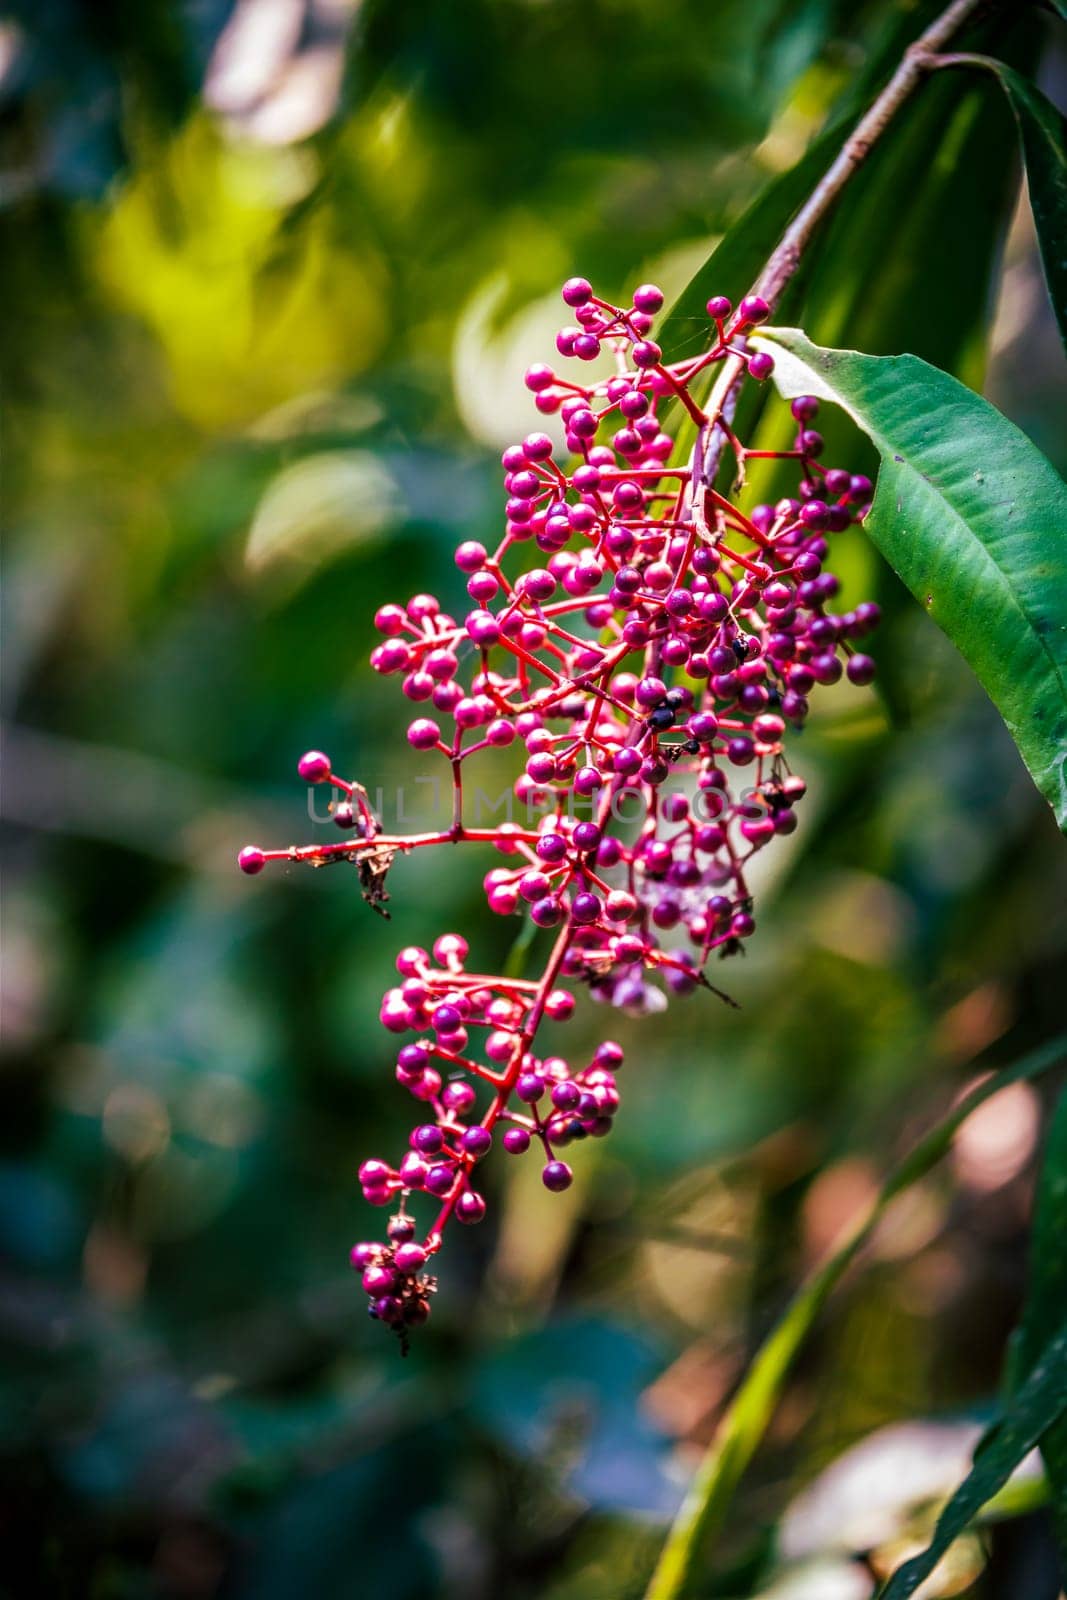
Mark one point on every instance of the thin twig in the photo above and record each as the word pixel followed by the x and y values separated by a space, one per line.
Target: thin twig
pixel 918 61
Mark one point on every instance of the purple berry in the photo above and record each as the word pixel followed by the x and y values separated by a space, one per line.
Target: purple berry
pixel 577 292
pixel 470 1207
pixel 557 1176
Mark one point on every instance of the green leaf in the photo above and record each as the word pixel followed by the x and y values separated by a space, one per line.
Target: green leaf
pixel 1043 136
pixel 521 945
pixel 973 518
pixel 1041 1400
pixel 707 1504
pixel 1046 1303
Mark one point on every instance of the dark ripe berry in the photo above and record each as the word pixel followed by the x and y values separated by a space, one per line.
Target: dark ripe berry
pixel 378 1280
pixel 814 514
pixel 650 692
pixel 551 847
pixel 546 913
pixel 470 1207
pixel 530 1087
pixel 542 768
pixel 753 308
pixel 477 1141
pixel 427 1140
pixel 760 366
pixel 565 1096
pixel 439 1180
pixel 648 298
pixel 387 1308
pixel 344 814
pixel 805 408
pixel 557 1176
pixel 661 719
pixel 826 668
pixel 516 1141
pixel 251 860
pixel 860 669
pixel 586 908
pixel 719 307
pixel 447 1019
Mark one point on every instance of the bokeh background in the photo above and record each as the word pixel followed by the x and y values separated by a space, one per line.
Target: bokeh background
pixel 271 271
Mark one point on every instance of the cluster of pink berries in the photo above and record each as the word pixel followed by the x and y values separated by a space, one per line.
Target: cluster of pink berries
pixel 648 667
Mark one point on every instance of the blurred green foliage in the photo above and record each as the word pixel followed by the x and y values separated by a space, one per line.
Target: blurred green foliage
pixel 269 295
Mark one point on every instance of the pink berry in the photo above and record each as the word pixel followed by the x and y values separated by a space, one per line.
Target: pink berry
pixel 423 734
pixel 314 767
pixel 753 308
pixel 577 292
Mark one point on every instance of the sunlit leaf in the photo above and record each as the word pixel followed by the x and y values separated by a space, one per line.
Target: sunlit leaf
pixel 321 505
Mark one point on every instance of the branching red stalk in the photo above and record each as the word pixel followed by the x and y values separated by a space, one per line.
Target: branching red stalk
pixel 727 643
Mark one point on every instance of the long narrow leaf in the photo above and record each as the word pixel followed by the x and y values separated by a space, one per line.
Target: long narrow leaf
pixel 1037 1406
pixel 1043 137
pixel 706 1506
pixel 1046 1301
